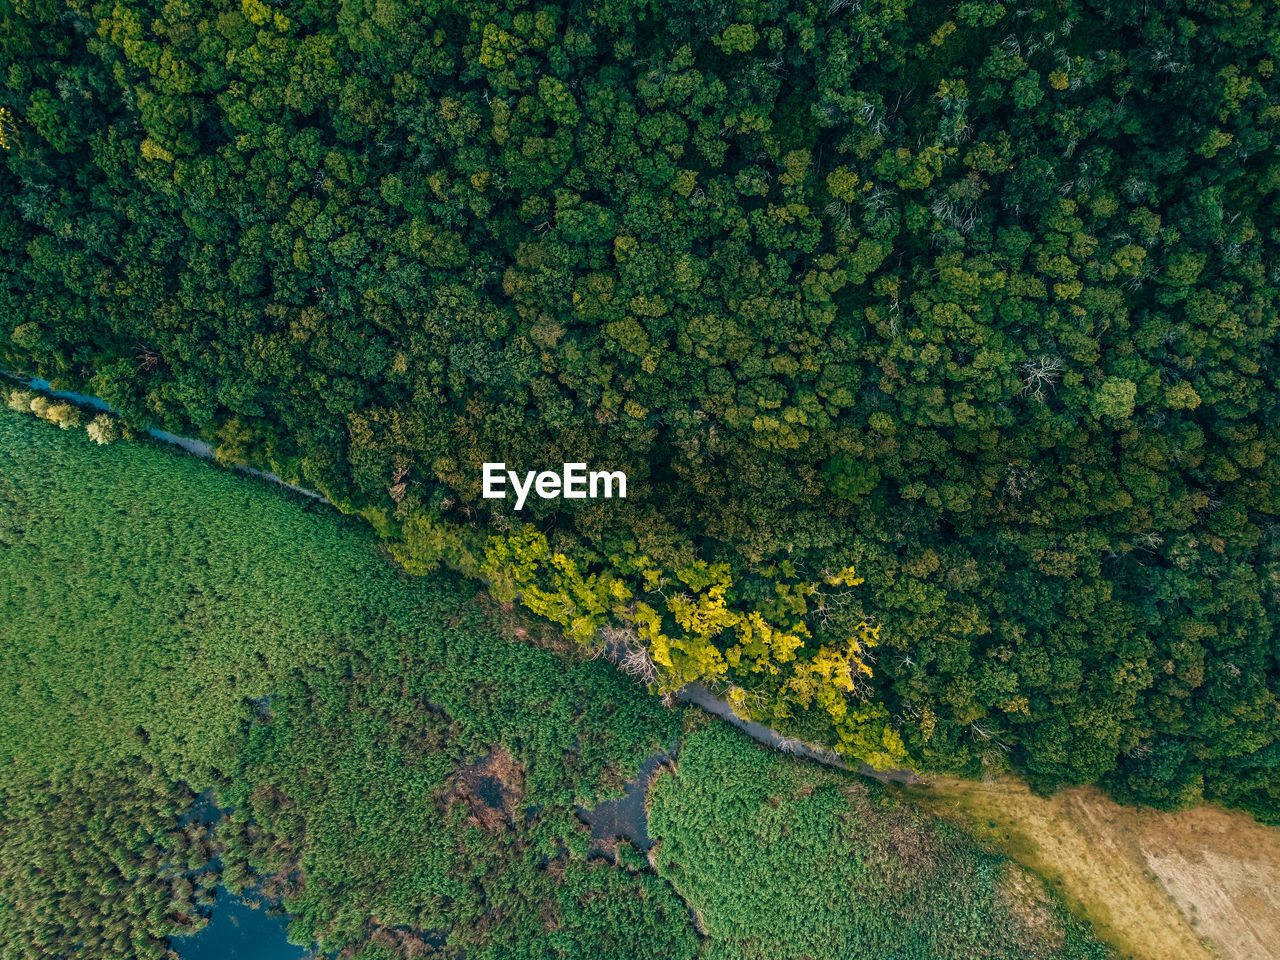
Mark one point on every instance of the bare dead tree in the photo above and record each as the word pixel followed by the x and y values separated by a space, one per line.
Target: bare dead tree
pixel 398 485
pixel 1040 375
pixel 147 358
pixel 637 663
pixel 622 646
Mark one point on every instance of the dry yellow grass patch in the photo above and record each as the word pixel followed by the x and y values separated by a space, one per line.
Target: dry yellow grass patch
pixel 1197 885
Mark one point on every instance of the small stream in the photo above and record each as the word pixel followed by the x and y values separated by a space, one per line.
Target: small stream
pixel 693 693
pixel 699 695
pixel 193 446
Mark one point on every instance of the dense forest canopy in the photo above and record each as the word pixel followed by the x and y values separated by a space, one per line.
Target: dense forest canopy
pixel 976 302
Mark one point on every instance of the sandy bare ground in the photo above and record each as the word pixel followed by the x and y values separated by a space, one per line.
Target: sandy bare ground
pixel 1196 885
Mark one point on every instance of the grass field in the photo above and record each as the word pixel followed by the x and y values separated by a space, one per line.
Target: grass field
pixel 168 627
pixel 1195 885
pixel 784 860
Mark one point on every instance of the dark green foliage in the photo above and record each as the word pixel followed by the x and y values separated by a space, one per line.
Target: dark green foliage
pixel 787 860
pixel 96 864
pixel 982 300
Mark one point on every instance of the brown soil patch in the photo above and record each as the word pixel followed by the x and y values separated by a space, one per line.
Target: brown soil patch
pixel 410 944
pixel 1024 896
pixel 1195 885
pixel 517 624
pixel 491 788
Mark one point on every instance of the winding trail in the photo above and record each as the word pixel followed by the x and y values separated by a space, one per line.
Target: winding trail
pixel 193 446
pixel 693 693
pixel 699 695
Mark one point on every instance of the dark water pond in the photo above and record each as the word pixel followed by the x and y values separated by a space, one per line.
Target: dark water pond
pixel 626 816
pixel 240 929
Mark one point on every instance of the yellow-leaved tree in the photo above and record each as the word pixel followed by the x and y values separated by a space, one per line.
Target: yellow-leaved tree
pixel 759 656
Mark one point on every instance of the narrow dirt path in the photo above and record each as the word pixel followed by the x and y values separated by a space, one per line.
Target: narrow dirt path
pixel 700 696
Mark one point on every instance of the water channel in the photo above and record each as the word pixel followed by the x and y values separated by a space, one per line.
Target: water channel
pixel 240 928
